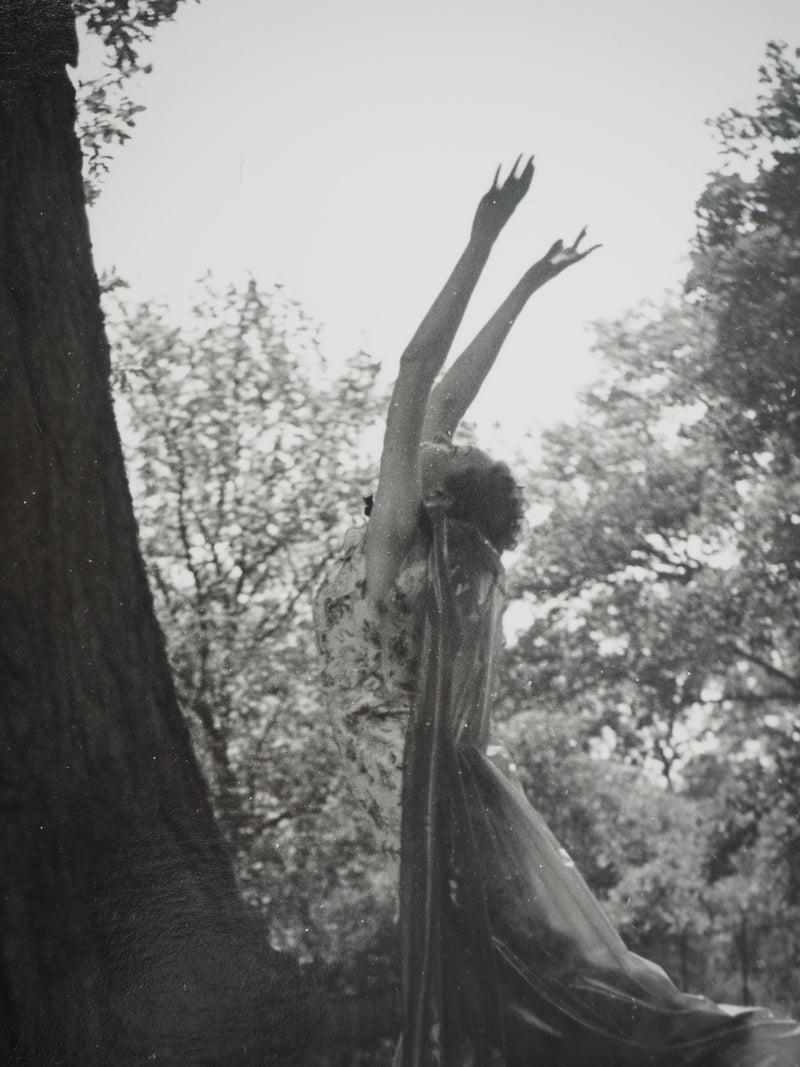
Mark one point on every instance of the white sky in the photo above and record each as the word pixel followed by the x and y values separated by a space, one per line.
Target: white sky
pixel 340 148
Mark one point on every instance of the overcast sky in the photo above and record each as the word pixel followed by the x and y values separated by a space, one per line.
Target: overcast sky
pixel 340 148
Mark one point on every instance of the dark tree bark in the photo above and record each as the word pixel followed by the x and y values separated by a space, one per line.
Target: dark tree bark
pixel 122 936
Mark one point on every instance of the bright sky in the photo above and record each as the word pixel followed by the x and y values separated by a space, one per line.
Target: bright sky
pixel 340 149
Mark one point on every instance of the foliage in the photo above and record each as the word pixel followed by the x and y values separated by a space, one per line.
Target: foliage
pixel 106 114
pixel 601 810
pixel 746 265
pixel 246 457
pixel 663 586
pixel 124 26
pixel 106 111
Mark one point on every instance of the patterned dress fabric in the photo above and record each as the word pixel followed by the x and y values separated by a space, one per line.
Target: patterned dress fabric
pixel 370 664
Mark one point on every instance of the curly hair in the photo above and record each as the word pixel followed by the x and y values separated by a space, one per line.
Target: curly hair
pixel 489 499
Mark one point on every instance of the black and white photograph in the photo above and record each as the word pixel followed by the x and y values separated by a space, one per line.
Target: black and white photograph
pixel 399 533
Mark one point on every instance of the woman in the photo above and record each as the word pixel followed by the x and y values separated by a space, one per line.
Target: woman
pixel 507 957
pixel 387 563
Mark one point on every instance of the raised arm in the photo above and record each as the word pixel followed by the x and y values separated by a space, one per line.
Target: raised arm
pixel 395 512
pixel 455 392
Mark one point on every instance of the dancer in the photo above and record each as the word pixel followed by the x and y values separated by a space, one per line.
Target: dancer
pixel 506 956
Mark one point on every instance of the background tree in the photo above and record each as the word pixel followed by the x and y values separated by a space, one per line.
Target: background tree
pixel 123 935
pixel 250 459
pixel 663 584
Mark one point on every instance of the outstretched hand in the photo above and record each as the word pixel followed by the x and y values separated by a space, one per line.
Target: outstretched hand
pixel 497 206
pixel 558 258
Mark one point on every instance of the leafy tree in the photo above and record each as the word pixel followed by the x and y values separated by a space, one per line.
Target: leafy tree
pixel 662 906
pixel 663 509
pixel 747 266
pixel 663 583
pixel 248 461
pixel 247 457
pixel 606 817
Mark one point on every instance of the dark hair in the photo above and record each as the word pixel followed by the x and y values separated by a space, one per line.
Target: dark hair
pixel 489 499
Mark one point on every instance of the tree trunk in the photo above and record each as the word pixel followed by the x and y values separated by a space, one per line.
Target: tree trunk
pixel 122 936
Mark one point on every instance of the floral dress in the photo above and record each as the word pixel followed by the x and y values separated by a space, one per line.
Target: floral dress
pixel 370 663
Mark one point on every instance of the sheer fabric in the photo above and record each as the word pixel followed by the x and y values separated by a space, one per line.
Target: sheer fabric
pixel 507 956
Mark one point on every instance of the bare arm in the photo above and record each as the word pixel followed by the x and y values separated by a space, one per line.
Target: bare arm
pixel 395 513
pixel 452 396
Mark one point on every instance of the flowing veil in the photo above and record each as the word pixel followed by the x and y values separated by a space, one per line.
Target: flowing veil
pixel 507 958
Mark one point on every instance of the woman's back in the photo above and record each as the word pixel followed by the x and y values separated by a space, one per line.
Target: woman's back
pixel 370 661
